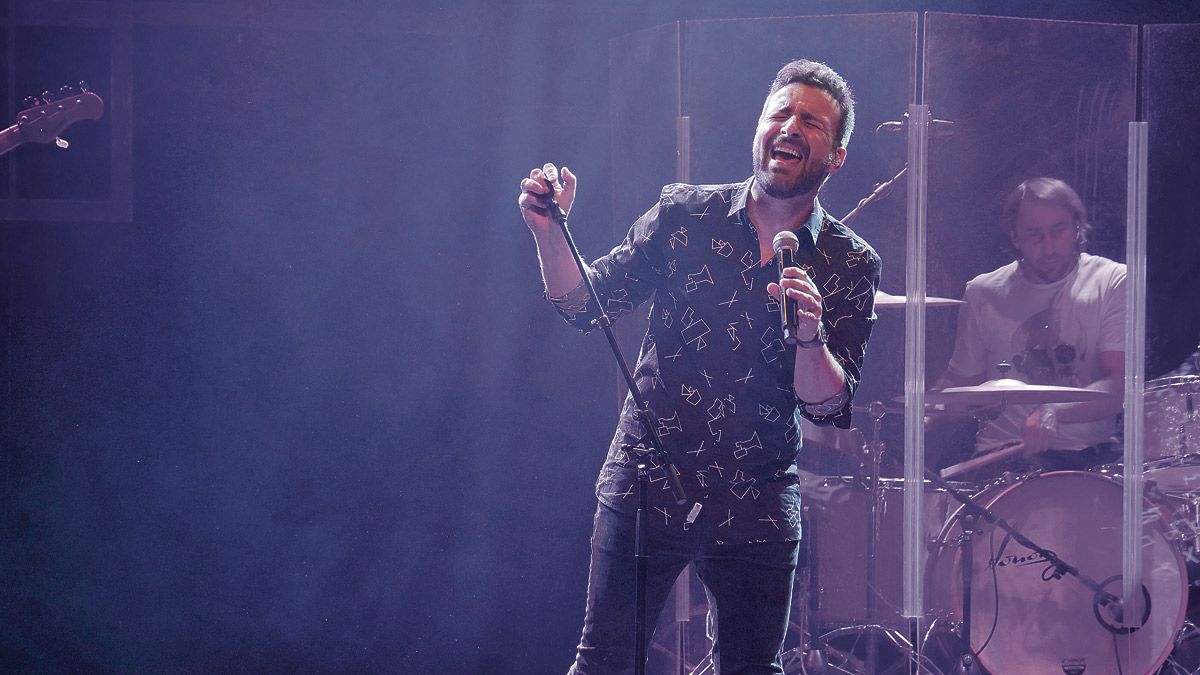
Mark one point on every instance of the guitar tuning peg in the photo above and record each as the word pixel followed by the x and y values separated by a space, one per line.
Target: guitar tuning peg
pixel 83 86
pixel 46 96
pixel 30 102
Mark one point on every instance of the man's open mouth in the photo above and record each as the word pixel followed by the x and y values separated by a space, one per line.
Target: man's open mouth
pixel 785 155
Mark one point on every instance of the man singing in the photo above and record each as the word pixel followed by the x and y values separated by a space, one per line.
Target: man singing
pixel 725 389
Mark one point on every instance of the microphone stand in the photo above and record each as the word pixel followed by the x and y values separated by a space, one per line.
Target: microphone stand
pixel 649 445
pixel 1101 598
pixel 878 193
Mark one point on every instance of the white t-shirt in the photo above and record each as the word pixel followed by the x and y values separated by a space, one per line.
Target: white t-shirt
pixel 1050 333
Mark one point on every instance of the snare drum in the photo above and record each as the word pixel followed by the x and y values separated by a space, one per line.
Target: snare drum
pixel 1025 621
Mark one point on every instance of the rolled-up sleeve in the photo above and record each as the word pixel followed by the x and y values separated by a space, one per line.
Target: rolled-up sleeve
pixel 623 279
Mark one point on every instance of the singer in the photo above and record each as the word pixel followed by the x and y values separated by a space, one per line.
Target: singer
pixel 714 366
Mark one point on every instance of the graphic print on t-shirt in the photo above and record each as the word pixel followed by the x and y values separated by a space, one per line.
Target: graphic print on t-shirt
pixel 1044 351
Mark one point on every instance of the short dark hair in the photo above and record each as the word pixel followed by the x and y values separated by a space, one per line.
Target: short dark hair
pixel 1053 191
pixel 823 77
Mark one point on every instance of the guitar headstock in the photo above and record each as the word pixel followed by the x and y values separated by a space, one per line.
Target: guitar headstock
pixel 43 123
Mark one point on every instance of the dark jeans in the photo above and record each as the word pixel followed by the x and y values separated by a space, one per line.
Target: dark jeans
pixel 750 584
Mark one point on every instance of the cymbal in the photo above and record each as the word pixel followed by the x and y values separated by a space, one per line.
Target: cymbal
pixel 1007 390
pixel 889 301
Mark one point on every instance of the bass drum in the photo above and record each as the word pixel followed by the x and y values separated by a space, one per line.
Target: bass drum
pixel 1023 620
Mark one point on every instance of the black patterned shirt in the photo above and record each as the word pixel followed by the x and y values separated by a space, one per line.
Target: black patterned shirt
pixel 713 366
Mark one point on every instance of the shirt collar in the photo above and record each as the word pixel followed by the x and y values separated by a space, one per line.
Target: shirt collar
pixel 815 220
pixel 737 210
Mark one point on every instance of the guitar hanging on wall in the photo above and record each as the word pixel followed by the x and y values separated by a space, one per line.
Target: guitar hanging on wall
pixel 49 115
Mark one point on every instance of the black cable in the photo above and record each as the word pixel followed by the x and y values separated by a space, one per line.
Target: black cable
pixel 1117 653
pixel 995 594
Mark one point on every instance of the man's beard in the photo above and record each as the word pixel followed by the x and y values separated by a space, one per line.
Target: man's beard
pixel 778 187
pixel 1048 270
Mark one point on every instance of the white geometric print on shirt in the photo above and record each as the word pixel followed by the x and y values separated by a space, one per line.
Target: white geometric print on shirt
pixel 792 434
pixel 694 280
pixel 679 238
pixel 772 347
pixel 717 412
pixel 744 447
pixel 769 519
pixel 618 302
pixel 694 330
pixel 768 412
pixel 749 265
pixel 860 293
pixel 666 516
pixel 741 486
pixel 854 258
pixel 669 424
pixel 733 335
pixel 720 470
pixel 772 304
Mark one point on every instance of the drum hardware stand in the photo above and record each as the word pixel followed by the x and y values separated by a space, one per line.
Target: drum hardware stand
pixel 649 445
pixel 967 665
pixel 876 411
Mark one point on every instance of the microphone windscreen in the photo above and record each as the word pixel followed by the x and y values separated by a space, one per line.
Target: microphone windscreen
pixel 785 240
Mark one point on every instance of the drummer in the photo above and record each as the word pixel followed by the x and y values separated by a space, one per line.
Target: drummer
pixel 1056 315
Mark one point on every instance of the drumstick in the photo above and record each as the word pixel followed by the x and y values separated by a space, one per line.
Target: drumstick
pixel 982 460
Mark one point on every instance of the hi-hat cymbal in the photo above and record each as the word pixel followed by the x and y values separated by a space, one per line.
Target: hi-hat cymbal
pixel 1007 390
pixel 889 301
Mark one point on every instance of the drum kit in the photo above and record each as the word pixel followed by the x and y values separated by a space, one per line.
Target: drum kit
pixel 1023 616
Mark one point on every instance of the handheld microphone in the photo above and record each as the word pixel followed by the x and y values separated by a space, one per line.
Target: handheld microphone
pixel 785 244
pixel 550 176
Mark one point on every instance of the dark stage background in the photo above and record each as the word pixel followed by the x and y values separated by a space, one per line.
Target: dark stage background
pixel 306 411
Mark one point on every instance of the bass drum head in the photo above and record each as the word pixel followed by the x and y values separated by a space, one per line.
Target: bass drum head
pixel 1025 621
